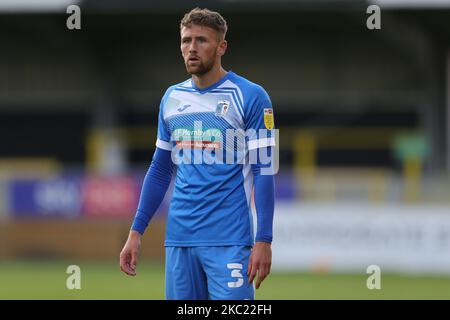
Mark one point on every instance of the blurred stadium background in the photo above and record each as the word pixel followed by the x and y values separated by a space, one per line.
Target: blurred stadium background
pixel 364 142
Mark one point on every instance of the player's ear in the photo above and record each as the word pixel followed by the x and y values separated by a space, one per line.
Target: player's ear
pixel 222 47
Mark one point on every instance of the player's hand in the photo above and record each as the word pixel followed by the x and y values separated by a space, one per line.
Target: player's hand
pixel 260 262
pixel 130 253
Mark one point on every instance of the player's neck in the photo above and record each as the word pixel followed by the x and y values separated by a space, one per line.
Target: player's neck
pixel 209 78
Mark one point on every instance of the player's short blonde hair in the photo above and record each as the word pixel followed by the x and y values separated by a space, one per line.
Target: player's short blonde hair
pixel 205 17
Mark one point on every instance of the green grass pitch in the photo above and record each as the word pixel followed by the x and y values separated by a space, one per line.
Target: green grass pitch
pixel 104 280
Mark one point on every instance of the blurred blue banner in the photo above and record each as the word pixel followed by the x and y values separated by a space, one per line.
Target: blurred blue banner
pixel 60 197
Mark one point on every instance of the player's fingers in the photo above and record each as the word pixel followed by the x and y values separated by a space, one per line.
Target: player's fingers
pixel 262 274
pixel 259 279
pixel 134 260
pixel 125 264
pixel 122 264
pixel 253 271
pixel 127 269
pixel 249 268
pixel 122 258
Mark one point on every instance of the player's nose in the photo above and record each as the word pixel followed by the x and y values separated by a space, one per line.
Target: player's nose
pixel 193 47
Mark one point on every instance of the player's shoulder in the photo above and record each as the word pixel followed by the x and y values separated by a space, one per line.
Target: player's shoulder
pixel 249 89
pixel 183 86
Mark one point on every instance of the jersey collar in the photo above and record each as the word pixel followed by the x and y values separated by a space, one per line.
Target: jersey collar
pixel 214 85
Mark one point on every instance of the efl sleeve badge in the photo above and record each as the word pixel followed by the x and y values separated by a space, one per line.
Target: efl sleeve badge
pixel 268 118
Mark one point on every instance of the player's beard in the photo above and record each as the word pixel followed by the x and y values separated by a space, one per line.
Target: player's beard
pixel 201 68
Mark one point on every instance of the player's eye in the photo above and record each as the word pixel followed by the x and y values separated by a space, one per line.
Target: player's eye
pixel 186 40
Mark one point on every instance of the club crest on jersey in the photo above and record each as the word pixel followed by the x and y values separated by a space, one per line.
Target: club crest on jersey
pixel 268 118
pixel 222 107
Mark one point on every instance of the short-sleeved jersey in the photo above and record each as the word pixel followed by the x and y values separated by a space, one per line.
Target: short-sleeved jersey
pixel 210 132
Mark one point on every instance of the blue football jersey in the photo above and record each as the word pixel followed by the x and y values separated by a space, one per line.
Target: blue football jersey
pixel 211 132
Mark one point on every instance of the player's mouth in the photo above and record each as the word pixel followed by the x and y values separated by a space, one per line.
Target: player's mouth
pixel 193 60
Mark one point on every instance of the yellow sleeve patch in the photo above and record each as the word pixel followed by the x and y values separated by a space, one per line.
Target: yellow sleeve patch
pixel 268 118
